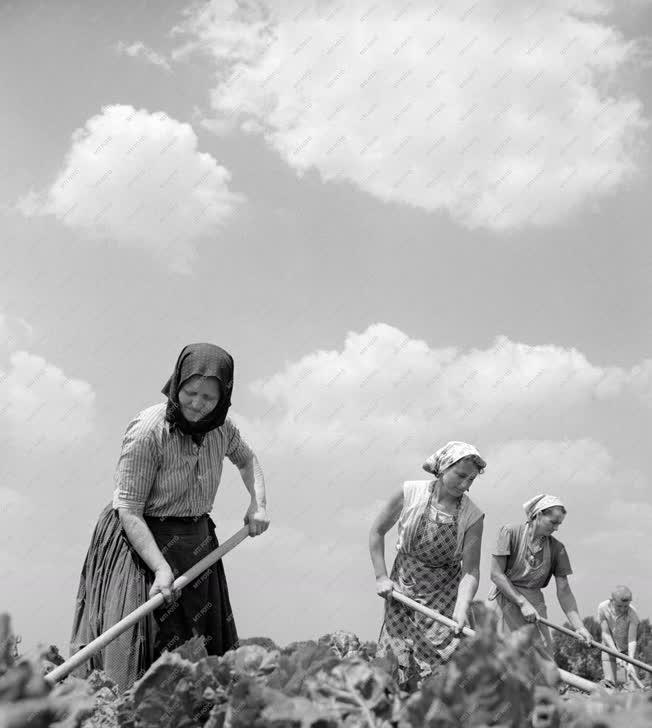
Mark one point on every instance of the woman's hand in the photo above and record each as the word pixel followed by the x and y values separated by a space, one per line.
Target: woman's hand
pixel 163 580
pixel 630 672
pixel 384 586
pixel 584 635
pixel 461 618
pixel 256 519
pixel 529 613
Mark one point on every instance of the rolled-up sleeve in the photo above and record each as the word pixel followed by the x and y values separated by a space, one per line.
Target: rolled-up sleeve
pixel 237 450
pixel 137 467
pixel 503 545
pixel 561 562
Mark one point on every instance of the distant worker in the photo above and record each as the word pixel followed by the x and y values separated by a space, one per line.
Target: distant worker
pixel 619 622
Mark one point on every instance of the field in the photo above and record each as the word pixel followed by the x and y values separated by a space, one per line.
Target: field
pixel 329 682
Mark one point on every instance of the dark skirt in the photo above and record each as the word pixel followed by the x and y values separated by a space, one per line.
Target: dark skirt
pixel 115 580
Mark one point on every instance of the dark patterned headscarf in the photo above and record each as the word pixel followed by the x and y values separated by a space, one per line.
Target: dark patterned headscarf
pixel 207 360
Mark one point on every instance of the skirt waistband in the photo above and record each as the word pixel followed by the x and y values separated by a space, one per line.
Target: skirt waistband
pixel 178 519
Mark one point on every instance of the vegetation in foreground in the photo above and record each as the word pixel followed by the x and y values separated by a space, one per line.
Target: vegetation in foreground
pixel 334 681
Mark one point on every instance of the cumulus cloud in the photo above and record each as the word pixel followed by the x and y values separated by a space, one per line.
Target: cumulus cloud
pixel 343 428
pixel 384 389
pixel 41 406
pixel 504 115
pixel 136 178
pixel 139 49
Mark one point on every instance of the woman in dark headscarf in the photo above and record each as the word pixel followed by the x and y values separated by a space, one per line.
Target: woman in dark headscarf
pixel 158 524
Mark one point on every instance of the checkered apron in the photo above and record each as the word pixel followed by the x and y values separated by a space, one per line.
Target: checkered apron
pixel 428 571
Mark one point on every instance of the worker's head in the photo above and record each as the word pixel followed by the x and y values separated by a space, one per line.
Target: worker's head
pixel 199 390
pixel 546 512
pixel 198 396
pixel 549 520
pixel 621 596
pixel 455 465
pixel 459 477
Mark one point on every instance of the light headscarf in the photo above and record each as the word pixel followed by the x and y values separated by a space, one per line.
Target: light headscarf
pixel 540 503
pixel 451 453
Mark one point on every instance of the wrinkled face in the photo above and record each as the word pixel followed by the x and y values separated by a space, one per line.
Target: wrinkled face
pixel 459 477
pixel 198 397
pixel 548 521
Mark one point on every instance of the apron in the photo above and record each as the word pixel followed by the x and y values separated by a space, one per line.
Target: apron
pixel 428 571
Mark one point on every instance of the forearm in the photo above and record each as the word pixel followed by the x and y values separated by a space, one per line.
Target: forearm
pixel 377 551
pixel 467 590
pixel 569 605
pixel 254 482
pixel 631 648
pixel 608 640
pixel 141 538
pixel 506 587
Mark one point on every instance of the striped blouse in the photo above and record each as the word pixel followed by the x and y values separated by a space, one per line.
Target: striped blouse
pixel 165 473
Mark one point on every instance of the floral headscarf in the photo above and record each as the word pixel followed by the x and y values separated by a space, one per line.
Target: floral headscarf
pixel 451 453
pixel 540 503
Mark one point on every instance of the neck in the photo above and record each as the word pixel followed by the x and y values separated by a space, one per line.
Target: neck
pixel 443 496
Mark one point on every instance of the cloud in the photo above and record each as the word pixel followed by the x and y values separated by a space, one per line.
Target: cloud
pixel 139 49
pixel 136 178
pixel 582 472
pixel 503 115
pixel 384 390
pixel 341 429
pixel 42 405
pixel 42 408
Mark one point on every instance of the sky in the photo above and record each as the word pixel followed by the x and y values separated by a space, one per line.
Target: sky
pixel 409 223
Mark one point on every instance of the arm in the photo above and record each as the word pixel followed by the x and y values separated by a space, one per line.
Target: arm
pixel 254 481
pixel 607 639
pixel 141 538
pixel 135 474
pixel 383 522
pixel 505 586
pixel 243 457
pixel 470 573
pixel 631 639
pixel 569 605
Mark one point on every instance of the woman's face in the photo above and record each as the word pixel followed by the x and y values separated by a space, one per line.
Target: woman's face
pixel 548 522
pixel 459 477
pixel 198 397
